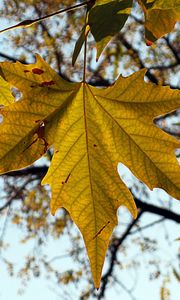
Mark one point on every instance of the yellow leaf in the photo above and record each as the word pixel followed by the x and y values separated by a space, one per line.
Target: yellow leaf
pixel 91 130
pixel 6 96
pixel 159 22
pixel 167 4
pixel 160 17
pixel 26 126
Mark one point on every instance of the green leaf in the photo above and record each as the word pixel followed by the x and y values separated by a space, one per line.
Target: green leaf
pixel 107 18
pixel 79 43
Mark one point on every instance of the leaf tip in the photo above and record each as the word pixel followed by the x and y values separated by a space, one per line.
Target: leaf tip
pixel 97 284
pixel 133 210
pixel 38 58
pixel 134 213
pixel 53 210
pixel 97 58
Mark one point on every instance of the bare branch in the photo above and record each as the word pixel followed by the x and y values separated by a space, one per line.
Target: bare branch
pixel 173 50
pixel 11 58
pixel 146 207
pixel 39 172
pixel 128 46
pixel 114 249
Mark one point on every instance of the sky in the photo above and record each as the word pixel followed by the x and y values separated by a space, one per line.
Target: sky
pixel 136 279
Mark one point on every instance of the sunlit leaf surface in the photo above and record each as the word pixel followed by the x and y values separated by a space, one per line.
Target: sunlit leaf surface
pixel 91 130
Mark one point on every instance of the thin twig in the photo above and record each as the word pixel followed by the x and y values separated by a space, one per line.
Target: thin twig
pixel 148 225
pixel 114 249
pixel 173 50
pixel 11 58
pixel 5 226
pixel 128 291
pixel 27 23
pixel 85 51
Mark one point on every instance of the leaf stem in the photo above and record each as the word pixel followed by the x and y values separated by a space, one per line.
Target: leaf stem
pixel 87 29
pixel 85 54
pixel 85 44
pixel 27 23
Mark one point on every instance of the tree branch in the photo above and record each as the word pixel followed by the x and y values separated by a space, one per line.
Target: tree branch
pixel 11 58
pixel 146 207
pixel 128 46
pixel 114 249
pixel 39 172
pixel 173 50
pixel 34 171
pixel 57 51
pixel 142 65
pixel 7 204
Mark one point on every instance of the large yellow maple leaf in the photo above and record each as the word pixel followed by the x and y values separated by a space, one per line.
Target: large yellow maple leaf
pixel 91 130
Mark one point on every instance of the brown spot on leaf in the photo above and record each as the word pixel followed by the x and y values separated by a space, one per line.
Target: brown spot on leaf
pixel 40 133
pixel 67 178
pixel 26 71
pixel 62 182
pixel 95 145
pixel 47 83
pixel 57 151
pixel 99 232
pixel 37 71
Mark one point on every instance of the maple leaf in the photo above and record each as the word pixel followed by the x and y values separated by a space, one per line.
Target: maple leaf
pixel 91 130
pixel 160 17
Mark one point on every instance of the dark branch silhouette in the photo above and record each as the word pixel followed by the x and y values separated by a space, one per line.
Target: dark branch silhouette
pixel 113 250
pixel 39 173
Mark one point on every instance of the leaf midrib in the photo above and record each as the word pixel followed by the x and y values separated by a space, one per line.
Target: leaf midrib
pixel 90 176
